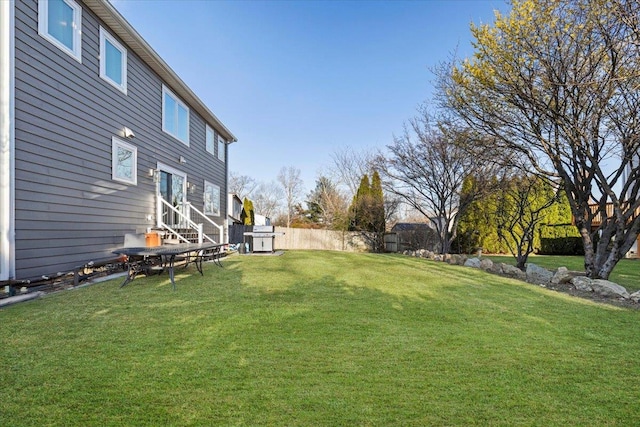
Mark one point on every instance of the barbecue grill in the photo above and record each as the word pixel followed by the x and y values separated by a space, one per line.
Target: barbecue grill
pixel 263 237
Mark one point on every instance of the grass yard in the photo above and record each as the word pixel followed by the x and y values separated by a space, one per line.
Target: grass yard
pixel 319 338
pixel 626 272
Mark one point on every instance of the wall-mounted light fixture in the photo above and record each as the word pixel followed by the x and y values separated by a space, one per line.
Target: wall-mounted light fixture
pixel 154 174
pixel 182 160
pixel 128 133
pixel 191 187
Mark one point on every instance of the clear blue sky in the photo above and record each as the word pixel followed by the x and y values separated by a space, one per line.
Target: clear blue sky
pixel 297 80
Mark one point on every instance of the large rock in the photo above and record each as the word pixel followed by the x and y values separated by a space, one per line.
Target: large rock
pixel 635 297
pixel 496 268
pixel 609 289
pixel 454 259
pixel 486 264
pixel 472 262
pixel 582 283
pixel 513 271
pixel 563 275
pixel 537 274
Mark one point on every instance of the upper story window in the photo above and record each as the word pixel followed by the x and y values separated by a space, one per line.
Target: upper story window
pixel 113 61
pixel 60 22
pixel 222 145
pixel 124 161
pixel 210 147
pixel 175 116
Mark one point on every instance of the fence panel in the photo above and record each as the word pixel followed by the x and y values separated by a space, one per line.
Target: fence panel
pixel 303 238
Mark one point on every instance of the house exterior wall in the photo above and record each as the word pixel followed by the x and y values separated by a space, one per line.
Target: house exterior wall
pixel 68 210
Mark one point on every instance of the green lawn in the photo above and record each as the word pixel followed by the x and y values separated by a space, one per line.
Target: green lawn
pixel 626 272
pixel 319 338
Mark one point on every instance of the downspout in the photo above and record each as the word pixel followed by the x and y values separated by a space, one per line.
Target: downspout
pixel 7 140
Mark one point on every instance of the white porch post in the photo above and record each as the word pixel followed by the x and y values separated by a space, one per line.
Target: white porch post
pixel 7 141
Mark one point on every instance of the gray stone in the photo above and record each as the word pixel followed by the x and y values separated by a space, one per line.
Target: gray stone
pixel 635 297
pixel 486 264
pixel 560 275
pixel 472 262
pixel 513 271
pixel 496 268
pixel 563 275
pixel 537 274
pixel 609 289
pixel 454 259
pixel 582 283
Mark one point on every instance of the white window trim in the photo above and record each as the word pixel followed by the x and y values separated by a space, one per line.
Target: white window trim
pixel 209 130
pixel 43 28
pixel 7 140
pixel 221 153
pixel 204 207
pixel 166 90
pixel 115 143
pixel 104 36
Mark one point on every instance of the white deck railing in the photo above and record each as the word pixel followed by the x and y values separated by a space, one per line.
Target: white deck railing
pixel 182 218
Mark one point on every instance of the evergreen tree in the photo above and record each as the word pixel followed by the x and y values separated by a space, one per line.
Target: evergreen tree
pixel 248 216
pixel 367 212
pixel 360 207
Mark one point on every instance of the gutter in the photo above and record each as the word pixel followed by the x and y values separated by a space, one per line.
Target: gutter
pixel 121 27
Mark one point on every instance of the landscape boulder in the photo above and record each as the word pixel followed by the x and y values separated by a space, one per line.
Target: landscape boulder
pixel 635 297
pixel 582 284
pixel 609 289
pixel 538 275
pixel 486 264
pixel 564 275
pixel 472 262
pixel 454 259
pixel 513 271
pixel 496 268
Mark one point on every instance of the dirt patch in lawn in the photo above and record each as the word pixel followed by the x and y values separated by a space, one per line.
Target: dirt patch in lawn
pixel 568 288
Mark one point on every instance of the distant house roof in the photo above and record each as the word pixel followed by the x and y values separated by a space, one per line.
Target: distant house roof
pixel 119 25
pixel 411 226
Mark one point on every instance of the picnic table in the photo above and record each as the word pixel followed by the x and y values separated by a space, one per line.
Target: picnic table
pixel 157 258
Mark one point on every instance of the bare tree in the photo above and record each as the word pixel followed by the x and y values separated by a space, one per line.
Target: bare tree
pixel 242 185
pixel 293 186
pixel 521 203
pixel 267 199
pixel 427 168
pixel 349 166
pixel 558 82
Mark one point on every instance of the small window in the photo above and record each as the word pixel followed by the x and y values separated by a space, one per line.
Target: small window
pixel 210 138
pixel 60 22
pixel 124 161
pixel 175 116
pixel 113 61
pixel 211 199
pixel 222 145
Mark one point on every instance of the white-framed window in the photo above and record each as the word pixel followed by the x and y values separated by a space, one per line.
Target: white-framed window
pixel 124 161
pixel 210 138
pixel 211 199
pixel 222 146
pixel 113 61
pixel 175 116
pixel 60 22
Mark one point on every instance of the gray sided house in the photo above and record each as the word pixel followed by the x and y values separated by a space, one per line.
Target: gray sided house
pixel 99 137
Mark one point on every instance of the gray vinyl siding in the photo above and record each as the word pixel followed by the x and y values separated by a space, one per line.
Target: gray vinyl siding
pixel 68 209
